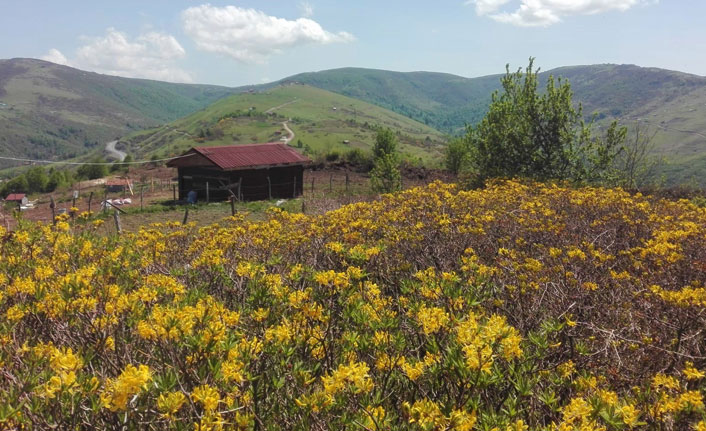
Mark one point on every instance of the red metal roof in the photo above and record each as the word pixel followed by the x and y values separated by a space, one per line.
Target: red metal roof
pixel 231 157
pixel 118 182
pixel 15 197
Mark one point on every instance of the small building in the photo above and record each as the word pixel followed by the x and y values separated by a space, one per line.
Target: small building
pixel 118 185
pixel 246 172
pixel 20 198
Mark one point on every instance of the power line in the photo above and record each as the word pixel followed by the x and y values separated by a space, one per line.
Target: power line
pixel 138 162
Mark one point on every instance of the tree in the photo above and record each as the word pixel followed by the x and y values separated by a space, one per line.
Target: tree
pixel 94 169
pixel 37 179
pixel 456 155
pixel 385 176
pixel 539 136
pixel 637 165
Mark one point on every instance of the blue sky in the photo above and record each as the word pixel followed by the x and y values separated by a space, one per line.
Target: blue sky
pixel 250 42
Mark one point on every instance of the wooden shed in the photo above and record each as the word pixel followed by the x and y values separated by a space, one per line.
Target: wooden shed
pixel 246 172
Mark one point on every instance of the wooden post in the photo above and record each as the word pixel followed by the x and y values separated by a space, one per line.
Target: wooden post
pixel 142 194
pixel 269 187
pixel 312 184
pixel 208 196
pixel 294 193
pixel 90 198
pixel 52 205
pixel 105 200
pixel 152 184
pixel 303 206
pixel 346 182
pixel 240 195
pixel 174 192
pixel 186 216
pixel 116 217
pixel 330 183
pixel 232 205
pixel 73 201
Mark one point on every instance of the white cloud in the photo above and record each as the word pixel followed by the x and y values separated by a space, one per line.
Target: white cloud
pixel 532 13
pixel 306 9
pixel 151 55
pixel 249 35
pixel 55 56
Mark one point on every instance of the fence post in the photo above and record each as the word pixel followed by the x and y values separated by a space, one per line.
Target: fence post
pixel 90 198
pixel 174 192
pixel 52 205
pixel 208 196
pixel 232 205
pixel 347 182
pixel 105 200
pixel 142 193
pixel 116 217
pixel 269 187
pixel 186 216
pixel 312 185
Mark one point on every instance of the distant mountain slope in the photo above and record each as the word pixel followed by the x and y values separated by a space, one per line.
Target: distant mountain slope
pixel 672 102
pixel 53 111
pixel 440 100
pixel 324 122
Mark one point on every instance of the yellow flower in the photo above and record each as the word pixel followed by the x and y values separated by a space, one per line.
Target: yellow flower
pixel 630 415
pixel 207 396
pixel 117 392
pixel 169 403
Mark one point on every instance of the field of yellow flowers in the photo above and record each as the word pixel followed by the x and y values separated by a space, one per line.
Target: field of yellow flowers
pixel 517 307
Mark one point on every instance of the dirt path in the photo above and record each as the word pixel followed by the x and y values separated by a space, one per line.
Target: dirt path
pixel 271 110
pixel 114 152
pixel 291 134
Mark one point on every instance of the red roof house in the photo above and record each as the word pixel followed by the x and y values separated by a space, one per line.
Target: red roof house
pixel 17 197
pixel 248 172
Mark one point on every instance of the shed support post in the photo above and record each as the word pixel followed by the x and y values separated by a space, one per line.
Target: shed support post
pixel 208 196
pixel 240 195
pixel 118 225
pixel 269 187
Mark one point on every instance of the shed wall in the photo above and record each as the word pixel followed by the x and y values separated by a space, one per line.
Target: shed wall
pixel 285 182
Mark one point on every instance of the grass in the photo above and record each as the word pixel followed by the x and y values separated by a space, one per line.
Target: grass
pixel 320 119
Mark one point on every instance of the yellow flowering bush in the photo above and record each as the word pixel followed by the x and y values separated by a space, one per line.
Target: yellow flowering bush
pixel 521 306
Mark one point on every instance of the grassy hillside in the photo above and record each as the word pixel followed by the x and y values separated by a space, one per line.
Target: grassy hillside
pixel 440 100
pixel 671 103
pixel 53 111
pixel 323 121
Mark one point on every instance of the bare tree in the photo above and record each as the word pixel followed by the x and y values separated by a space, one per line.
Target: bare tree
pixel 638 164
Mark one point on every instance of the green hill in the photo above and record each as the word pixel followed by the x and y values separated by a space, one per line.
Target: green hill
pixel 441 100
pixel 56 112
pixel 324 122
pixel 672 103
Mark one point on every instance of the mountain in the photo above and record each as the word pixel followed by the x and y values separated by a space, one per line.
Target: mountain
pixel 323 123
pixel 440 100
pixel 50 111
pixel 672 104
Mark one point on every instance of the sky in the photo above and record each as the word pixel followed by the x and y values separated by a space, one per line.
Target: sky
pixel 245 42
